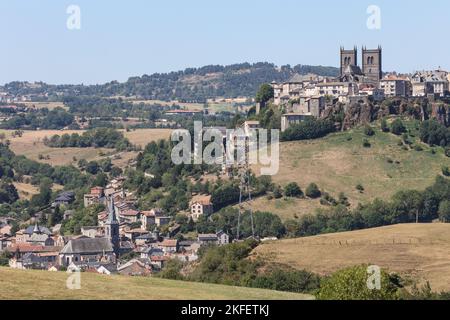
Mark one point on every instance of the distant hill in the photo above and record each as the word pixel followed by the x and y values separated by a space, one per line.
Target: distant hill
pixel 419 251
pixel 191 85
pixel 21 284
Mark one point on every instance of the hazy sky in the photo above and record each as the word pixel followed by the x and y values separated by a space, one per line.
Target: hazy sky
pixel 119 39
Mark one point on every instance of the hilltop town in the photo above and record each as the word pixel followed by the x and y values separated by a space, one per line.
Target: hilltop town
pixel 99 193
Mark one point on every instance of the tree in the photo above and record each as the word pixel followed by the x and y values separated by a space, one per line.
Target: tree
pixel 293 190
pixel 444 211
pixel 265 93
pixel 352 284
pixel 397 127
pixel 92 167
pixel 312 191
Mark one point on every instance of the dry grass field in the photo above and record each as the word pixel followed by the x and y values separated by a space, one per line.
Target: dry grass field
pixel 285 208
pixel 48 105
pixel 419 251
pixel 30 285
pixel 26 190
pixel 142 137
pixel 31 146
pixel 338 162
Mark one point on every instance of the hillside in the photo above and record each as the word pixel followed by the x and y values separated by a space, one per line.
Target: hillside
pixel 419 250
pixel 192 84
pixel 19 284
pixel 339 162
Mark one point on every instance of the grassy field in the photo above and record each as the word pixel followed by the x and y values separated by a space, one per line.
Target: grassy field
pixel 19 284
pixel 142 137
pixel 339 162
pixel 48 105
pixel 31 146
pixel 285 208
pixel 419 251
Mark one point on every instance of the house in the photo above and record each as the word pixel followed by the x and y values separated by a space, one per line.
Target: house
pixel 90 232
pixel 162 221
pixel 64 198
pixel 336 89
pixel 96 196
pixel 168 246
pixel 87 250
pixel 148 252
pixel 129 215
pixel 201 205
pixel 394 86
pixel 222 238
pixel 207 238
pixel 312 106
pixel 430 82
pixel 136 267
pixel 144 239
pixel 132 234
pixel 159 261
pixel 148 218
pixel 35 235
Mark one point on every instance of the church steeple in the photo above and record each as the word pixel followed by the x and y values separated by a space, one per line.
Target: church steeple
pixel 111 211
pixel 112 227
pixel 36 228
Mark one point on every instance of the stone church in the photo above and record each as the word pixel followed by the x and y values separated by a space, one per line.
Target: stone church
pixel 372 69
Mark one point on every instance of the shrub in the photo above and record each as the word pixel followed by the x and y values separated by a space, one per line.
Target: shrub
pixel 446 171
pixel 351 284
pixel 360 187
pixel 293 190
pixel 312 191
pixel 397 127
pixel 366 143
pixel 368 131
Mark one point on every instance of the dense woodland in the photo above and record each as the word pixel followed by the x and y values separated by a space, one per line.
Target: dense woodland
pixel 190 85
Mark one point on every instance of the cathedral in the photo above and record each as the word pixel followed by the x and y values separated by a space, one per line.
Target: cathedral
pixel 372 70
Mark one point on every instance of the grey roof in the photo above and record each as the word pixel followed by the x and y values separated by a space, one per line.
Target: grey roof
pixel 88 245
pixel 207 237
pixel 38 237
pixel 29 230
pixel 296 78
pixel 354 70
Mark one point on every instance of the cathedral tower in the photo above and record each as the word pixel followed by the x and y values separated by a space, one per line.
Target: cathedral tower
pixel 348 58
pixel 372 64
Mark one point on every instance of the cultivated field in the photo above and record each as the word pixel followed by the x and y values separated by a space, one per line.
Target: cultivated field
pixel 338 162
pixel 20 284
pixel 419 251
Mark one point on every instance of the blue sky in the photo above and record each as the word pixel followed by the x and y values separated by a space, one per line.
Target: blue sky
pixel 119 39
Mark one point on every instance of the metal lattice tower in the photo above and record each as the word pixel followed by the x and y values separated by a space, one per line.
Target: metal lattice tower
pixel 244 186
